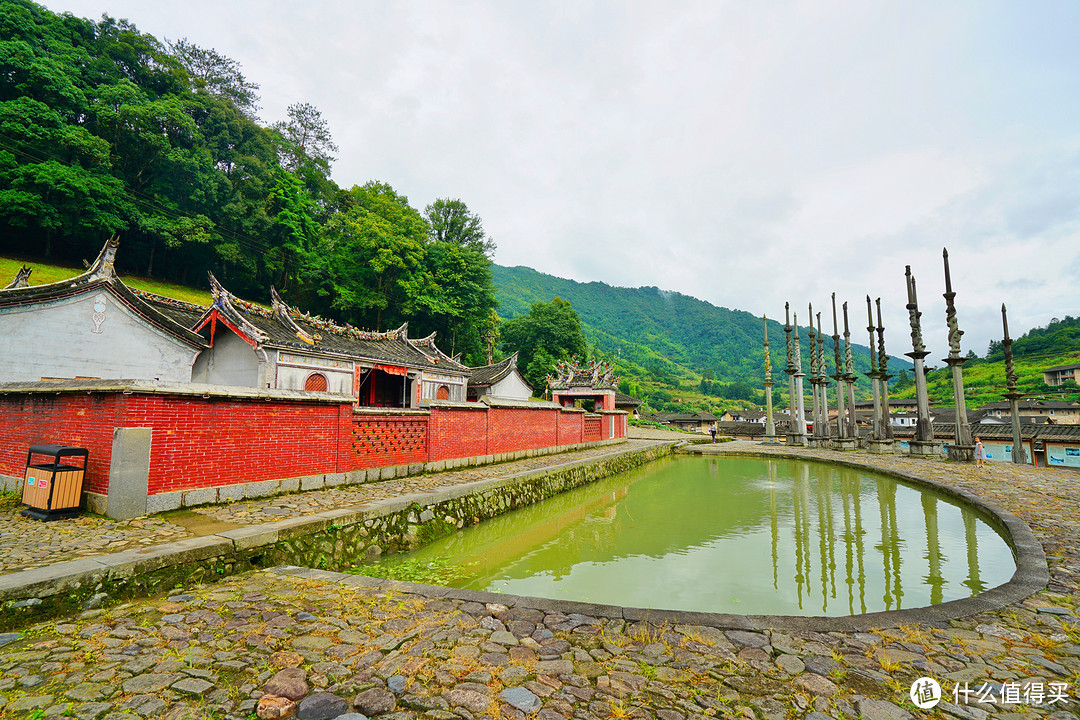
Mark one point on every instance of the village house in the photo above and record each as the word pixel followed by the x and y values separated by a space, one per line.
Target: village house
pixel 698 422
pixel 1055 412
pixel 1061 373
pixel 500 380
pixel 95 326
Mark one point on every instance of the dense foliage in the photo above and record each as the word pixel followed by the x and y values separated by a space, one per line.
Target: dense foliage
pixel 105 130
pixel 548 333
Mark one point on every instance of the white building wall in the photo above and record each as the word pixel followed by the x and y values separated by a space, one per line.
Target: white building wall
pixel 230 362
pixel 90 335
pixel 293 369
pixel 511 387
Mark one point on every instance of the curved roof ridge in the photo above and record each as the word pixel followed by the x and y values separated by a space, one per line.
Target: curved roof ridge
pixel 283 314
pixel 223 302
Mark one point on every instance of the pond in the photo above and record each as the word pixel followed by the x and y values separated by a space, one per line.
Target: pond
pixel 734 535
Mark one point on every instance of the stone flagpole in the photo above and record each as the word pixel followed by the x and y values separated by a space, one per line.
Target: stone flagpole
pixel 790 370
pixel 877 442
pixel 1019 456
pixel 770 430
pixel 963 450
pixel 849 383
pixel 823 380
pixel 797 434
pixel 842 441
pixel 923 444
pixel 815 410
pixel 883 368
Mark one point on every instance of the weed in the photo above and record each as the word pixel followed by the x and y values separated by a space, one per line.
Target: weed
pixel 889 666
pixel 440 571
pixel 646 671
pixel 1072 630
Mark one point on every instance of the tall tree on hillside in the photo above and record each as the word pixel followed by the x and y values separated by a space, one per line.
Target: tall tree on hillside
pixel 549 332
pixel 452 222
pixel 307 138
pixel 213 73
pixel 377 244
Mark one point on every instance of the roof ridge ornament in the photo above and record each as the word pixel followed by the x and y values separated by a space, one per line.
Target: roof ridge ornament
pixel 283 315
pixel 103 268
pixel 21 280
pixel 223 302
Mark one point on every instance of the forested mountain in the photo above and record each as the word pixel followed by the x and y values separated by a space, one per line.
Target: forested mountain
pixel 671 346
pixel 106 130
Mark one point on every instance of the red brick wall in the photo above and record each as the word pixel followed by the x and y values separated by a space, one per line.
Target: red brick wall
pixel 77 420
pixel 457 433
pixel 205 442
pixel 592 429
pixel 379 441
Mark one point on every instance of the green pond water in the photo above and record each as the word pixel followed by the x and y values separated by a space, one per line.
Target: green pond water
pixel 736 535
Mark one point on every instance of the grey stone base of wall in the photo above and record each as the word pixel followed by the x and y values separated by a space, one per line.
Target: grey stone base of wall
pixel 796 440
pixel 845 444
pixel 880 447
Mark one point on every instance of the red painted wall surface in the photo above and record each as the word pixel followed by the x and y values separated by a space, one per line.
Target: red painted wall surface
pixel 207 442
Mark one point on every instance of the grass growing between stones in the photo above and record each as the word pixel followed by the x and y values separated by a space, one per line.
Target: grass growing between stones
pixel 441 571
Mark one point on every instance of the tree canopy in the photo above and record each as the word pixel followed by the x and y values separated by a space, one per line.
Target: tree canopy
pixel 548 333
pixel 104 129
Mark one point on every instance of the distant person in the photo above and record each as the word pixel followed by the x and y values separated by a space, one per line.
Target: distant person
pixel 980 453
pixel 712 431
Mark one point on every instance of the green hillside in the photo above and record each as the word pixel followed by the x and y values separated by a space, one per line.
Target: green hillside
pixel 674 350
pixel 984 379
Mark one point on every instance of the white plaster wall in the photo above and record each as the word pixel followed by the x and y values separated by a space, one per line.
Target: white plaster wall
pixel 293 378
pixel 58 340
pixel 430 389
pixel 510 387
pixel 230 362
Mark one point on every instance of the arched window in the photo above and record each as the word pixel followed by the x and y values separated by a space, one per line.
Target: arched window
pixel 443 393
pixel 316 382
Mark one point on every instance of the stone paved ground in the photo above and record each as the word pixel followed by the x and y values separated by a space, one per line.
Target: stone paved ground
pixel 275 642
pixel 26 543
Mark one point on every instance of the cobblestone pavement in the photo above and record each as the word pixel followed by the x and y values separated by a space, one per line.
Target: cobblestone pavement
pixel 26 543
pixel 319 645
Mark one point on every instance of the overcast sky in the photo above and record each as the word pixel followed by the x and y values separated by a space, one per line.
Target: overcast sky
pixel 746 153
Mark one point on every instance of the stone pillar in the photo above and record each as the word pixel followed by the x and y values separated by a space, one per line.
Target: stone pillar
pixel 877 442
pixel 822 431
pixel 812 439
pixel 770 429
pixel 849 383
pixel 923 444
pixel 842 441
pixel 797 433
pixel 963 449
pixel 1019 456
pixel 884 444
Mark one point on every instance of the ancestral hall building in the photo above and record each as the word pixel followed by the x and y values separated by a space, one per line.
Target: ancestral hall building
pixel 94 326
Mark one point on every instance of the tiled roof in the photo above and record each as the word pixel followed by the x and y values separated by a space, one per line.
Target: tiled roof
pixel 100 275
pixel 626 400
pixel 488 375
pixel 1034 405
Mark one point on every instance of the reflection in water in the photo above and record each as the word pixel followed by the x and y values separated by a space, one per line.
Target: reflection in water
pixel 694 534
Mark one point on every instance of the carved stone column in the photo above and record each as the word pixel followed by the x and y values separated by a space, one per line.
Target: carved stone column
pixel 790 370
pixel 797 434
pixel 842 441
pixel 822 430
pixel 770 428
pixel 1019 456
pixel 923 444
pixel 964 449
pixel 849 382
pixel 812 439
pixel 878 442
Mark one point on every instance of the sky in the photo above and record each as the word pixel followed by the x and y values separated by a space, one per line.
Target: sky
pixel 748 154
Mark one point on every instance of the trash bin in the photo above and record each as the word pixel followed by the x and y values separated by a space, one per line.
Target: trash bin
pixel 53 485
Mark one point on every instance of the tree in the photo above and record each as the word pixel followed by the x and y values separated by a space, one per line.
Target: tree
pixel 213 73
pixel 307 139
pixel 377 244
pixel 451 222
pixel 549 332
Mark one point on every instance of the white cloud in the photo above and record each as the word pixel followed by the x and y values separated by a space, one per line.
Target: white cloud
pixel 744 153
